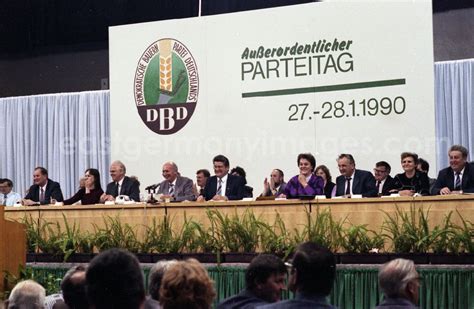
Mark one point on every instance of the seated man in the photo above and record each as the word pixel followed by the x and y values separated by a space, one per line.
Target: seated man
pixel 400 284
pixel 264 280
pixel 114 279
pixel 175 187
pixel 458 177
pixel 202 176
pixel 353 181
pixel 277 184
pixel 43 190
pixel 424 166
pixel 223 186
pixel 121 184
pixel 313 271
pixel 7 196
pixel 383 181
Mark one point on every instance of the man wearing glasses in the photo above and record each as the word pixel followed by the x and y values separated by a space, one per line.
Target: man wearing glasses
pixel 383 181
pixel 400 284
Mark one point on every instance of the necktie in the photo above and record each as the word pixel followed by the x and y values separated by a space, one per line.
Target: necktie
pixel 378 186
pixel 41 197
pixel 219 187
pixel 4 199
pixel 171 190
pixel 457 183
pixel 348 185
pixel 116 189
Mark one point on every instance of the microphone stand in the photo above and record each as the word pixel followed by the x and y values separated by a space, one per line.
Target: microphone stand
pixel 151 192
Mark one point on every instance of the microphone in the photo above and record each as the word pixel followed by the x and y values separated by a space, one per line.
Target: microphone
pixel 152 187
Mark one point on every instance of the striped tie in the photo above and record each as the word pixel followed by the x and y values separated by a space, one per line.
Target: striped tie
pixel 219 187
pixel 41 196
pixel 171 190
pixel 457 184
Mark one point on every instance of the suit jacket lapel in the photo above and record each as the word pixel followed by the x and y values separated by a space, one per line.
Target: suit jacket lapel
pixel 355 183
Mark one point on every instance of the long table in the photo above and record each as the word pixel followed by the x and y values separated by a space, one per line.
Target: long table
pixel 294 213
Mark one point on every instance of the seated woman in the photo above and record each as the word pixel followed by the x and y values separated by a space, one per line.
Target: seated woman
pixel 329 186
pixel 239 171
pixel 306 183
pixel 92 191
pixel 186 284
pixel 411 181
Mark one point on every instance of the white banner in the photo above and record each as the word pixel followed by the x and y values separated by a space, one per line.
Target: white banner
pixel 263 86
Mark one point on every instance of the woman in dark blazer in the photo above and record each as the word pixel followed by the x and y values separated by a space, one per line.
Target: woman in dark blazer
pixel 92 191
pixel 329 186
pixel 411 181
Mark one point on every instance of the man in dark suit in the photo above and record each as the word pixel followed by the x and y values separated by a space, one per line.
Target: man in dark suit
pixel 383 181
pixel 223 186
pixel 43 190
pixel 121 184
pixel 175 187
pixel 202 176
pixel 353 181
pixel 458 177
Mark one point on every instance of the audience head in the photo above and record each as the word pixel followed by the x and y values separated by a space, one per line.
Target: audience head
pixel 26 295
pixel 170 171
pixel 117 171
pixel 306 162
pixel 221 165
pixel 409 161
pixel 114 280
pixel 92 176
pixel 346 164
pixel 382 170
pixel 313 269
pixel 323 172
pixel 399 279
pixel 423 165
pixel 186 284
pixel 6 185
pixel 40 176
pixel 201 177
pixel 265 277
pixel 457 157
pixel 156 276
pixel 73 287
pixel 277 176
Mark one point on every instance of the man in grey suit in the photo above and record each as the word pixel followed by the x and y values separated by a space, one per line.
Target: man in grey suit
pixel 175 187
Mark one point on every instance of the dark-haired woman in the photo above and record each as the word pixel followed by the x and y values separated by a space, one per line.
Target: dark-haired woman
pixel 412 181
pixel 92 191
pixel 306 183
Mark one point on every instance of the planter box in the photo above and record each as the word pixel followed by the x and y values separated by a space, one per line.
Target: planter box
pixel 80 257
pixel 30 257
pixel 236 257
pixel 203 257
pixel 362 258
pixel 49 258
pixel 165 256
pixel 144 257
pixel 451 258
pixel 417 258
